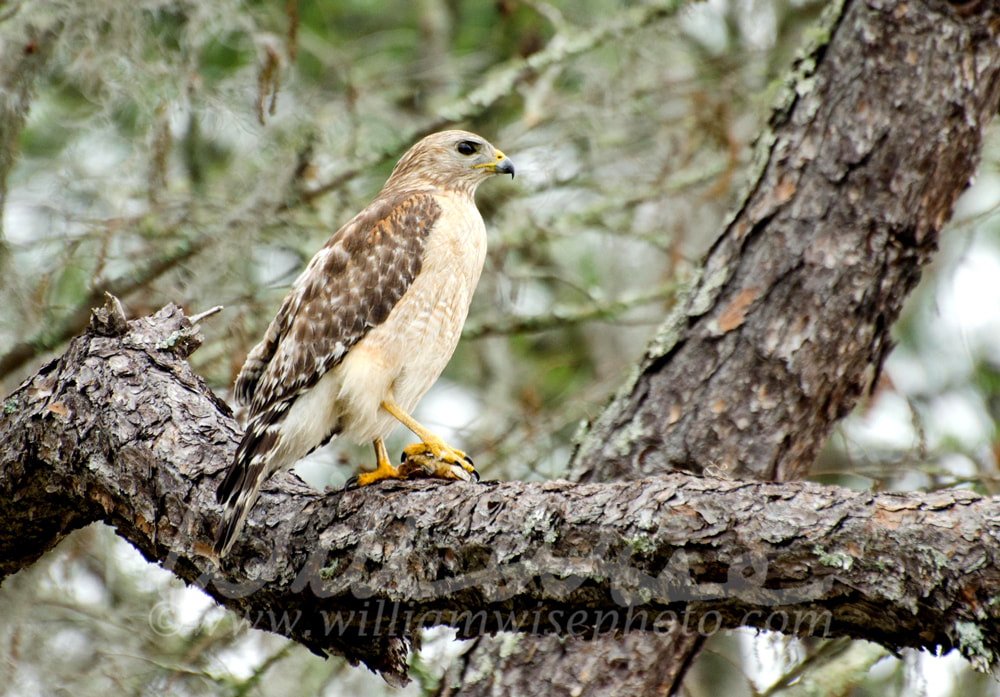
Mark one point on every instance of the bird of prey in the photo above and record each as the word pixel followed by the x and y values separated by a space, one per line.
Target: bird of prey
pixel 368 327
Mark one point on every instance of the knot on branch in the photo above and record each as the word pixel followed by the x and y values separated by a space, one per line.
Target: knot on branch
pixel 110 319
pixel 174 332
pixel 166 330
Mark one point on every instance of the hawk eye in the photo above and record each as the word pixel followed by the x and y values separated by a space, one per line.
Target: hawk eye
pixel 467 147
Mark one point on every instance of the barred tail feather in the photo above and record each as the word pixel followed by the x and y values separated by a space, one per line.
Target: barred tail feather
pixel 235 515
pixel 252 465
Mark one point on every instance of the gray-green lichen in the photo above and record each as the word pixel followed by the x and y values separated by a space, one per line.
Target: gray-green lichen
pixel 970 643
pixel 626 436
pixel 170 341
pixel 329 572
pixel 640 543
pixel 836 560
pixel 668 333
pixel 940 559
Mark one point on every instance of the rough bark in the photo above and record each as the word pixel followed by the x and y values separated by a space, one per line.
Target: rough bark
pixel 120 430
pixel 788 322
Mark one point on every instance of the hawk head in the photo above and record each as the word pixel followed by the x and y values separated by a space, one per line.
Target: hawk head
pixel 449 160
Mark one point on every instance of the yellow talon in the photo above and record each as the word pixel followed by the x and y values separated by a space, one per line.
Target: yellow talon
pixel 432 457
pixel 436 459
pixel 385 470
pixel 438 450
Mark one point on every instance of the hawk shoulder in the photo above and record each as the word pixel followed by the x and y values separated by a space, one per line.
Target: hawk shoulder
pixel 349 287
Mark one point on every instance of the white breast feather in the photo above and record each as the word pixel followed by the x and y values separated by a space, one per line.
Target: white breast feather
pixel 406 354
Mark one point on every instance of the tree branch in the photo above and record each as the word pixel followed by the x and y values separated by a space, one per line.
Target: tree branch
pixel 787 325
pixel 501 83
pixel 75 320
pixel 358 572
pixel 564 316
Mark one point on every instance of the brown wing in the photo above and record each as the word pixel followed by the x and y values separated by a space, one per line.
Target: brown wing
pixel 350 286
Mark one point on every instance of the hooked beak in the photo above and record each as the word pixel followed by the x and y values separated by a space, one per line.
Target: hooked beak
pixel 502 165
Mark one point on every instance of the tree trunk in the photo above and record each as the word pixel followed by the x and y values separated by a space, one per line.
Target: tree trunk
pixel 788 323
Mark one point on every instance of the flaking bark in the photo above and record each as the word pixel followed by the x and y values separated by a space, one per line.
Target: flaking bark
pixel 357 572
pixel 788 323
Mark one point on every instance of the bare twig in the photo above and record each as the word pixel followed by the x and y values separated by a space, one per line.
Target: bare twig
pixel 207 313
pixel 503 82
pixel 76 319
pixel 566 316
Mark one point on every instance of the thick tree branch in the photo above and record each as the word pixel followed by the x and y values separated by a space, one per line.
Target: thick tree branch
pixel 120 430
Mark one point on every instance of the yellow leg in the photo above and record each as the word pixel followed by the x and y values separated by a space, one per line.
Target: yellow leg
pixel 385 470
pixel 433 455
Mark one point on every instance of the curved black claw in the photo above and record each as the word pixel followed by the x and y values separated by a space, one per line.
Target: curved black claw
pixel 351 483
pixel 469 460
pixel 473 473
pixel 402 457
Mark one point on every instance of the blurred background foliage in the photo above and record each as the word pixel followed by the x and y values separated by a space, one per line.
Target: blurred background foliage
pixel 199 153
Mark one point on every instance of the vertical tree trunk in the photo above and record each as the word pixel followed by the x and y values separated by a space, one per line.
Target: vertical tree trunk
pixel 788 323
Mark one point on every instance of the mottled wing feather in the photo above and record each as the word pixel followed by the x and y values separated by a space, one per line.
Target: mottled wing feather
pixel 350 286
pixel 261 354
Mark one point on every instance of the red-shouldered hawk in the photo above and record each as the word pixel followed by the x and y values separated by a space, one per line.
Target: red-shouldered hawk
pixel 369 326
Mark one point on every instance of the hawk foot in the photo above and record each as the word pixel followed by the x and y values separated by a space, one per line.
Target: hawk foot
pixel 383 472
pixel 437 461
